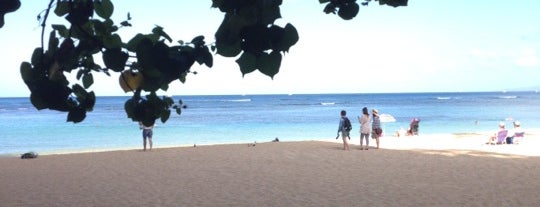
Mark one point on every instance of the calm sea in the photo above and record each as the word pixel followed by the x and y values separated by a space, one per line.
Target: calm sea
pixel 261 118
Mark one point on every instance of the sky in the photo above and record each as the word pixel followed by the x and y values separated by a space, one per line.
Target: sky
pixel 428 46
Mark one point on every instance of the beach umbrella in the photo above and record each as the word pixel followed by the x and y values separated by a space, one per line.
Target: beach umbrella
pixel 387 118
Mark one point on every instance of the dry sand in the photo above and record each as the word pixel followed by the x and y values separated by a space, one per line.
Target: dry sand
pixel 439 170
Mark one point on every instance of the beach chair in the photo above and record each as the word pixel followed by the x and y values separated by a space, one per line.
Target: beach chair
pixel 501 136
pixel 518 137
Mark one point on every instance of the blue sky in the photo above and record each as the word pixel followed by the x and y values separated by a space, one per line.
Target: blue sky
pixel 428 46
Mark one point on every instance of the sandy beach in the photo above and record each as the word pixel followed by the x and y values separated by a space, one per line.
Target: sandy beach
pixel 426 170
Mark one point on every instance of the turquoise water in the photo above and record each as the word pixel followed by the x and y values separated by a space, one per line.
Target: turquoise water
pixel 261 118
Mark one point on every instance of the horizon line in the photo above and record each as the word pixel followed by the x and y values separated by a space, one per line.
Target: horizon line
pixel 327 93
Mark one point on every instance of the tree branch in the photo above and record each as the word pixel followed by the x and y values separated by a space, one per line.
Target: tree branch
pixel 43 23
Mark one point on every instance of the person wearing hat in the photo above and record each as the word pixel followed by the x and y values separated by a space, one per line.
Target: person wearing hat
pixel 376 130
pixel 515 135
pixel 496 136
pixel 414 125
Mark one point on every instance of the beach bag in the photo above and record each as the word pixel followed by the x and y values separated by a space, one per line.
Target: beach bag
pixel 348 125
pixel 376 133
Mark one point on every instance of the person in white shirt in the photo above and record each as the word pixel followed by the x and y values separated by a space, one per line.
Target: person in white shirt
pixel 516 134
pixel 365 128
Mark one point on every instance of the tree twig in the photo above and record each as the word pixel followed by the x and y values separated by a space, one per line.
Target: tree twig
pixel 43 23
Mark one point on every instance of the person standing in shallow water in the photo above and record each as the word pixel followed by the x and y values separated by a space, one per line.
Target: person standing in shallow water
pixel 344 132
pixel 147 132
pixel 365 128
pixel 376 130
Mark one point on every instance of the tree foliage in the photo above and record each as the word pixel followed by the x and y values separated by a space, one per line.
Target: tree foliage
pixel 150 61
pixel 7 6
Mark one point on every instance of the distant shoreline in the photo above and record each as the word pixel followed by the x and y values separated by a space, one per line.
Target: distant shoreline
pixel 352 93
pixel 473 139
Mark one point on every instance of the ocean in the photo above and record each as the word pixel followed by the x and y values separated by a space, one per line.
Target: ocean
pixel 224 119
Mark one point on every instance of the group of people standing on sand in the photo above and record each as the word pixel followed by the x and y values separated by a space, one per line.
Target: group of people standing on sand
pixel 369 125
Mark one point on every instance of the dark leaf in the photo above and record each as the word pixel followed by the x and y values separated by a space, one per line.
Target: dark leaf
pixel 76 115
pixel 290 37
pixel 183 77
pixel 330 8
pixel 36 56
pixel 79 91
pixel 159 31
pixel 89 102
pixel 165 114
pixel 88 62
pixel 203 56
pixel 7 7
pixel 269 64
pixel 53 42
pixel 62 30
pixel 125 24
pixel 247 63
pixel 112 41
pixel 394 3
pixel 80 13
pixel 115 59
pixel 129 107
pixel 164 86
pixel 168 101
pixel 146 56
pixel 104 8
pixel 229 50
pixel 27 73
pixel 198 41
pixel 38 102
pixel 100 27
pixel 348 11
pixel 88 80
pixel 270 14
pixel 52 94
pixel 79 74
pixel 229 30
pixel 148 121
pixel 134 42
pixel 62 8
